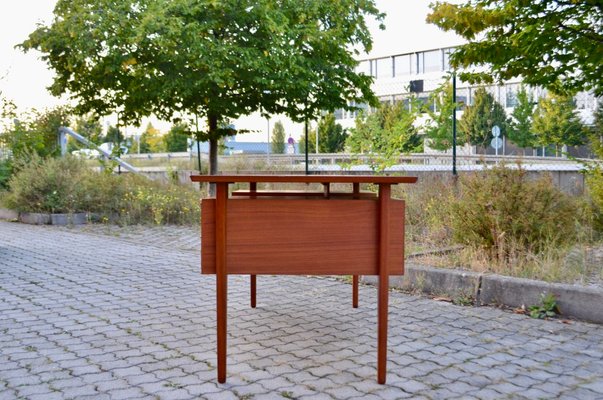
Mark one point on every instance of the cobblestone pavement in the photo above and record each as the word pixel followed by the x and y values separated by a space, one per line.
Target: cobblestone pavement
pixel 101 313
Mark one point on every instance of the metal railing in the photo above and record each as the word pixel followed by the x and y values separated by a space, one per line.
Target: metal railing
pixel 67 131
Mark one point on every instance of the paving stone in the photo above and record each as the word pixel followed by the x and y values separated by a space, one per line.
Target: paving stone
pixel 142 324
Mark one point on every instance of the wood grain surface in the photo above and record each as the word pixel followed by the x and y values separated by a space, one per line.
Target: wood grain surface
pixel 303 237
pixel 305 178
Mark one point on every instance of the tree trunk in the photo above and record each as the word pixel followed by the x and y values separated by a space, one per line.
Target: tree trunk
pixel 213 150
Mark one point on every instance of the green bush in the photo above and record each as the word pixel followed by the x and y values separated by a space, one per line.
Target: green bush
pixel 594 182
pixel 152 202
pixel 51 185
pixel 501 209
pixel 6 169
pixel 65 185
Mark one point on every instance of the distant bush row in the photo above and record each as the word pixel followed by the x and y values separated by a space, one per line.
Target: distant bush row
pixel 68 185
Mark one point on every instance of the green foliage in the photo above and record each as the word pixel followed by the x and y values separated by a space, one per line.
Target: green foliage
pixel 64 185
pixel 146 201
pixel 548 307
pixel 151 140
pixel 594 183
pixel 176 139
pixel 36 132
pixel 520 126
pixel 278 138
pixel 114 135
pixel 90 128
pixel 6 170
pixel 311 143
pixel 597 127
pixel 331 136
pixel 553 44
pixel 501 208
pixel 557 123
pixel 215 59
pixel 439 127
pixel 54 185
pixel 479 118
pixel 386 133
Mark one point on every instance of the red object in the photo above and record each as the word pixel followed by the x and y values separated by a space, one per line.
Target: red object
pixel 350 233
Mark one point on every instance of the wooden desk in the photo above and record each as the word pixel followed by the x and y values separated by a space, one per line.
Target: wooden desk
pixel 301 233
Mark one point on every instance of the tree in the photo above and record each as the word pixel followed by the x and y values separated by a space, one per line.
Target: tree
pixel 114 135
pixel 278 138
pixel 90 128
pixel 36 132
pixel 556 44
pixel 520 125
pixel 176 140
pixel 215 59
pixel 439 126
pixel 479 118
pixel 556 122
pixel 151 140
pixel 386 133
pixel 331 136
pixel 596 139
pixel 311 143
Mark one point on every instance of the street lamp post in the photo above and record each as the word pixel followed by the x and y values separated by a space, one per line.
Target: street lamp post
pixel 268 149
pixel 454 123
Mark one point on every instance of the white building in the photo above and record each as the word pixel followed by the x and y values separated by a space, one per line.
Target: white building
pixel 397 75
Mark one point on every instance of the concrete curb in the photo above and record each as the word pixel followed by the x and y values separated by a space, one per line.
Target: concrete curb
pixel 44 218
pixel 574 301
pixel 9 215
pixel 585 303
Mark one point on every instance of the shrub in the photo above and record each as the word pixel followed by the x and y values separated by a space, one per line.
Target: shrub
pixel 502 209
pixel 51 185
pixel 153 202
pixel 427 210
pixel 594 182
pixel 65 185
pixel 6 169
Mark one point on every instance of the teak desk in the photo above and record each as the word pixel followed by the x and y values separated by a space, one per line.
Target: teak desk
pixel 302 233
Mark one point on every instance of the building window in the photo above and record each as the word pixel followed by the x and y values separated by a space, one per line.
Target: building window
pixel 383 68
pixel 447 53
pixel 511 95
pixel 420 63
pixel 402 65
pixel 432 61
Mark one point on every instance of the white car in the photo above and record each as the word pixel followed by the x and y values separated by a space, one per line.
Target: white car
pixel 86 153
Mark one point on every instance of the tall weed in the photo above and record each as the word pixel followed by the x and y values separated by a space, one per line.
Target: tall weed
pixel 501 209
pixel 65 185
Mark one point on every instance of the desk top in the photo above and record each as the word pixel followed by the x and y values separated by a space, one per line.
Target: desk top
pixel 305 178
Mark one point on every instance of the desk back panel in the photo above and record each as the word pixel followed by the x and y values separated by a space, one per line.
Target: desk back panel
pixel 302 237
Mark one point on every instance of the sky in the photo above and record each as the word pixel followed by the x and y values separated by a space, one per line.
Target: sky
pixel 24 77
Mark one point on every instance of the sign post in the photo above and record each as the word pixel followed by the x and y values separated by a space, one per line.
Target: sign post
pixel 496 142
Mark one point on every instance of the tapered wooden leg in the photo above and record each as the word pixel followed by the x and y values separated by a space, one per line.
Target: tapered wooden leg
pixel 355 291
pixel 356 194
pixel 252 189
pixel 221 277
pixel 382 304
pixel 253 289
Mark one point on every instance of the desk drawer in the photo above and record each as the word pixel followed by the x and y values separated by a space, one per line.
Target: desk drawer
pixel 303 237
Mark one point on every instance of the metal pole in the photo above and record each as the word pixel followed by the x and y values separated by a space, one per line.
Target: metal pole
pixel 454 123
pixel 307 138
pixel 268 149
pixel 198 145
pixel 317 124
